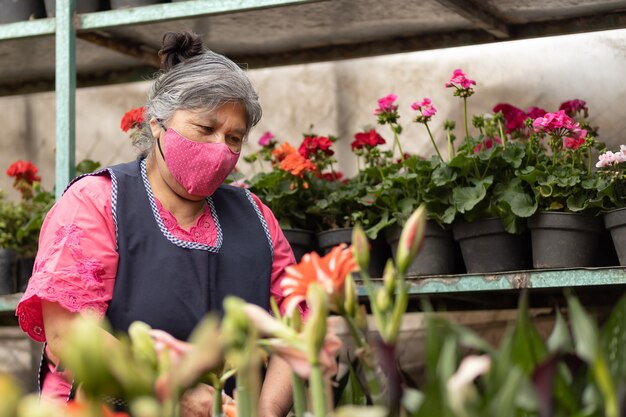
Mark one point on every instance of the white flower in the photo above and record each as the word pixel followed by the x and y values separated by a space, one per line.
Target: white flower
pixel 460 386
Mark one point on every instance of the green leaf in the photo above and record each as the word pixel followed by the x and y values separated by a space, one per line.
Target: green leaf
pixel 528 349
pixel 353 392
pixel 514 155
pixel 613 339
pixel 466 198
pixel 577 202
pixel 528 174
pixel 560 340
pixel 522 203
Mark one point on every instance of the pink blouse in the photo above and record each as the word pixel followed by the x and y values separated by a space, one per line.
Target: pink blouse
pixel 77 259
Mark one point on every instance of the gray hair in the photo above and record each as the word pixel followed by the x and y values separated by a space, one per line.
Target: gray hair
pixel 205 81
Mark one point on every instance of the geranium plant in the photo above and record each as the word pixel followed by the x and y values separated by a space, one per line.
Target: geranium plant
pixel 286 188
pixel 561 173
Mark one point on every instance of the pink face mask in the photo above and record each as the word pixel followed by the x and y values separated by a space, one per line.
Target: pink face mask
pixel 200 167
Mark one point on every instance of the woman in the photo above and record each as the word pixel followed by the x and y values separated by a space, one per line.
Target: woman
pixel 160 239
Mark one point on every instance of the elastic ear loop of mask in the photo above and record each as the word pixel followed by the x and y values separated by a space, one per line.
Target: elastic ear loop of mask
pixel 159 138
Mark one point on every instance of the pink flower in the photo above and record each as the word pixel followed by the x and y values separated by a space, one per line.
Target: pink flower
pixel 266 139
pixel 487 144
pixel 425 107
pixel 571 107
pixel 557 124
pixel 610 158
pixel 460 80
pixel 386 104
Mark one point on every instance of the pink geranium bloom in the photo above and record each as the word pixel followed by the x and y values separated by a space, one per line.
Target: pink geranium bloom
pixel 386 104
pixel 425 107
pixel 459 80
pixel 266 139
pixel 555 123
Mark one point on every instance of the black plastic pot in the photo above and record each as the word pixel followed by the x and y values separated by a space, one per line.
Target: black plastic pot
pixel 24 272
pixel 301 241
pixel 124 4
pixel 487 247
pixel 615 222
pixel 438 253
pixel 379 249
pixel 18 10
pixel 7 271
pixel 564 240
pixel 82 6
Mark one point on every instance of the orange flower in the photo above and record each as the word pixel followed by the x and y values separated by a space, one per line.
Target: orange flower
pixel 80 409
pixel 296 164
pixel 283 150
pixel 329 272
pixel 230 410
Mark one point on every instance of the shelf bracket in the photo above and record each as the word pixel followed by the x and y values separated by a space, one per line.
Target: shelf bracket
pixel 144 53
pixel 478 16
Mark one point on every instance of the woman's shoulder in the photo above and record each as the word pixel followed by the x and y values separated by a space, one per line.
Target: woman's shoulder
pixel 96 186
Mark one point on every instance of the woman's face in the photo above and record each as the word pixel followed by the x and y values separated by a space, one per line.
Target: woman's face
pixel 226 124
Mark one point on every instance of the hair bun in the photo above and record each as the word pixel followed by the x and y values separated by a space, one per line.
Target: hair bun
pixel 178 47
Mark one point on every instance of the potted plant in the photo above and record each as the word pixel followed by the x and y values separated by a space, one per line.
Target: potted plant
pixel 286 190
pixel 611 169
pixel 566 229
pixel 483 199
pixel 29 212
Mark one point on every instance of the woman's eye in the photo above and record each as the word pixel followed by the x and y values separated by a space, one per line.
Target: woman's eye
pixel 207 129
pixel 235 139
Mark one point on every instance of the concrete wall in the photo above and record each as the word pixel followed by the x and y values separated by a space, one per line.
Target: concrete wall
pixel 338 98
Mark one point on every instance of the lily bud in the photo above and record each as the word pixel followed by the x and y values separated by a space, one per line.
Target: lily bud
pixel 315 327
pixel 383 301
pixel 411 239
pixel 145 407
pixel 360 247
pixel 350 302
pixel 142 343
pixel 235 323
pixel 389 277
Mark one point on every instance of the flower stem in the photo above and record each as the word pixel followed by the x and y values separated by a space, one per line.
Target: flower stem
pixel 299 395
pixel 368 369
pixel 318 396
pixel 468 140
pixel 397 140
pixel 589 163
pixel 217 403
pixel 433 141
pixel 502 135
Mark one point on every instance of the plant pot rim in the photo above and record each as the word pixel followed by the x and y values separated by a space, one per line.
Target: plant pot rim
pixel 330 231
pixel 566 220
pixel 491 226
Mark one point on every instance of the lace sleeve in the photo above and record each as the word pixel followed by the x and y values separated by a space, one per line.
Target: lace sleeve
pixel 76 263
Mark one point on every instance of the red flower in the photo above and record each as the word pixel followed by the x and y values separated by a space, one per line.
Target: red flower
pixel 487 144
pixel 133 119
pixel 332 176
pixel 23 170
pixel 571 107
pixel 514 118
pixel 313 144
pixel 534 112
pixel 368 139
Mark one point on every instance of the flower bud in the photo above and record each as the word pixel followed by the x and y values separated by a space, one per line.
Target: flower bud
pixel 411 239
pixel 145 407
pixel 315 327
pixel 350 302
pixel 142 343
pixel 383 301
pixel 389 277
pixel 360 247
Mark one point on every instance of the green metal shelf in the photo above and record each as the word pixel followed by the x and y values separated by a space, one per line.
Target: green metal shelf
pixel 474 287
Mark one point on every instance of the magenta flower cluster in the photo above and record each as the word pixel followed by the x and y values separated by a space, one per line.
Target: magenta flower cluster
pixel 386 104
pixel 426 108
pixel 560 125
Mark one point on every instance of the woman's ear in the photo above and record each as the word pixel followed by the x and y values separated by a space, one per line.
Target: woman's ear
pixel 155 128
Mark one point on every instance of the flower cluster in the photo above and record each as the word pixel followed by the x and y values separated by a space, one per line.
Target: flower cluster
pixel 562 128
pixel 133 120
pixel 426 108
pixel 461 84
pixel 367 140
pixel 515 118
pixel 25 175
pixel 609 158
